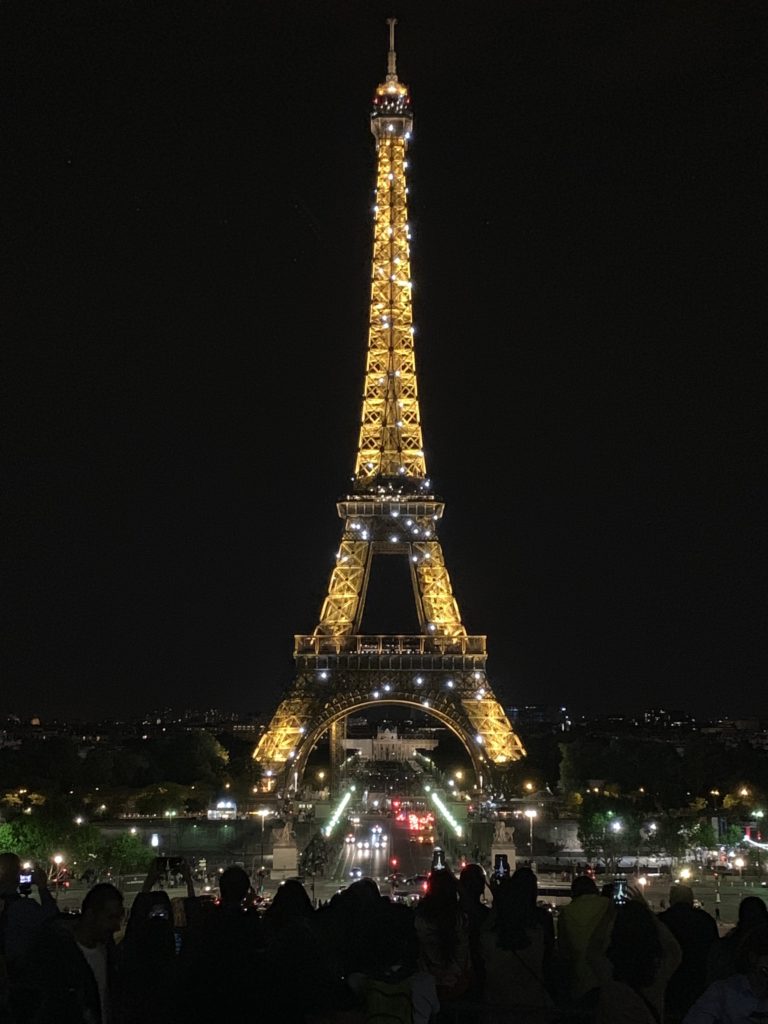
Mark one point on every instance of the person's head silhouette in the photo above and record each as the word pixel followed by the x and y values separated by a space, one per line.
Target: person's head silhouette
pixel 233 886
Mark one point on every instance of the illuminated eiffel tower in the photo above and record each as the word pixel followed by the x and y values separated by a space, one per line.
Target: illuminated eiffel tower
pixel 391 511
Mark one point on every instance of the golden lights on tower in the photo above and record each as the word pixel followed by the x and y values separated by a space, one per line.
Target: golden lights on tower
pixel 391 511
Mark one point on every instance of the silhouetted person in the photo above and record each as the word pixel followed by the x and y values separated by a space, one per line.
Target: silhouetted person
pixel 224 946
pixel 636 956
pixel 21 918
pixel 472 886
pixel 744 996
pixel 442 928
pixel 695 932
pixel 393 988
pixel 514 944
pixel 626 994
pixel 147 963
pixel 299 979
pixel 346 926
pixel 71 967
pixel 724 954
pixel 529 889
pixel 575 927
pixel 289 905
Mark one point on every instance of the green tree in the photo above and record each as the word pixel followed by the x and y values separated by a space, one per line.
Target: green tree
pixel 165 796
pixel 734 835
pixel 703 835
pixel 315 855
pixel 40 840
pixel 671 835
pixel 187 757
pixel 126 853
pixel 609 829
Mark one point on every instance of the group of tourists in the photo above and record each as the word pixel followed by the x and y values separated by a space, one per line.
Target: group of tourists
pixel 469 952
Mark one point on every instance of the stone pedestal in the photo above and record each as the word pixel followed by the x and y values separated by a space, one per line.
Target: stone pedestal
pixel 285 861
pixel 285 854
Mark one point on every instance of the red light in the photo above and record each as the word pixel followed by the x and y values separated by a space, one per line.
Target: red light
pixel 393 862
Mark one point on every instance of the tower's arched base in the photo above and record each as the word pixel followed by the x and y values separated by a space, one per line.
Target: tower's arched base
pixel 458 701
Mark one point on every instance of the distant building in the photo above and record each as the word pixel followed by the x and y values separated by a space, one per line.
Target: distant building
pixel 225 810
pixel 668 718
pixel 540 716
pixel 389 745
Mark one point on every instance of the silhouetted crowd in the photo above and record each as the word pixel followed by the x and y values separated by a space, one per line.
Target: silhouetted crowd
pixel 363 959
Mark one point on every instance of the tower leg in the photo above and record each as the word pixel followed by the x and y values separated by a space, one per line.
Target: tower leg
pixel 336 736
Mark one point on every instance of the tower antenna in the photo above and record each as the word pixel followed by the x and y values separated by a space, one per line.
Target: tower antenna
pixel 392 56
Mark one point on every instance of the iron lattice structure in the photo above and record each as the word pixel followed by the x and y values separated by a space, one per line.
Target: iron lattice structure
pixel 391 511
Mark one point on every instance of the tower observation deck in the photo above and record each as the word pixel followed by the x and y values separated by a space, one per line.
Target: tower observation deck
pixel 393 511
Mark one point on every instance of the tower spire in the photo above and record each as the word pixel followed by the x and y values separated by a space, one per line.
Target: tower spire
pixel 392 56
pixel 390 452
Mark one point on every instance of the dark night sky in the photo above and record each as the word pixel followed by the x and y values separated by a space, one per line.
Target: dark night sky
pixel 188 189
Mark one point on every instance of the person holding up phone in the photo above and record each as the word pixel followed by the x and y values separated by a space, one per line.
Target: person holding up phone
pixel 160 868
pixel 147 964
pixel 516 944
pixel 633 956
pixel 21 917
pixel 501 867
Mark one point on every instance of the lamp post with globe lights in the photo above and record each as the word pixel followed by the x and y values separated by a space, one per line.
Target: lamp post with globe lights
pixel 739 863
pixel 617 828
pixel 531 813
pixel 758 815
pixel 58 860
pixel 263 813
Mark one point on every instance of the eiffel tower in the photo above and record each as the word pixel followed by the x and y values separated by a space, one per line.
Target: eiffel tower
pixel 392 511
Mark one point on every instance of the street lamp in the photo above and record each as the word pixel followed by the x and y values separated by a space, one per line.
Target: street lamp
pixel 739 863
pixel 263 813
pixel 170 815
pixel 58 860
pixel 531 813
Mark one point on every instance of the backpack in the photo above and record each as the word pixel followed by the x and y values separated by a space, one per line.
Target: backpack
pixel 388 1002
